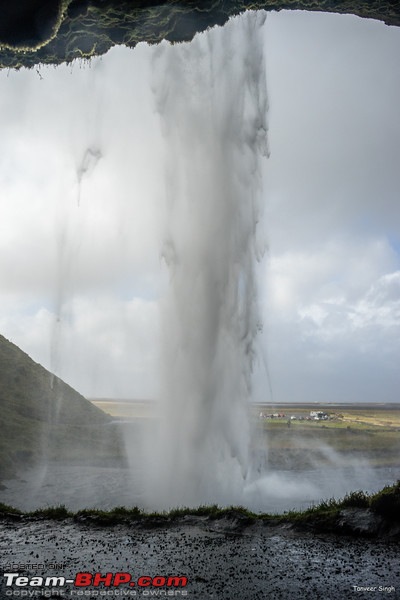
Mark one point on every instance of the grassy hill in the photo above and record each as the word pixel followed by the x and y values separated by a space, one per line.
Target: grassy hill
pixel 41 416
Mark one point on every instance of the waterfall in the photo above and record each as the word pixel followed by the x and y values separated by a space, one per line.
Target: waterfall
pixel 212 104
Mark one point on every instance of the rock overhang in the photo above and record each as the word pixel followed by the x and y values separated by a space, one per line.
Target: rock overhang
pixel 56 31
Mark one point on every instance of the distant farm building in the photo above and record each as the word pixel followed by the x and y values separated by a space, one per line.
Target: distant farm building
pixel 318 415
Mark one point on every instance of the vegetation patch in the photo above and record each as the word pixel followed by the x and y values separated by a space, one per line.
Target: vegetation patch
pixel 54 513
pixel 123 515
pixel 386 503
pixel 324 517
pixel 331 507
pixel 6 510
pixel 115 516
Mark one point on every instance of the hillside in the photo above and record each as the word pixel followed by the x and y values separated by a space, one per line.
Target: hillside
pixel 43 417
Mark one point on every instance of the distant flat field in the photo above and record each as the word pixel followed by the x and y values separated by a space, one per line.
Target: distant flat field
pixel 356 415
pixel 125 409
pixel 354 431
pixel 379 415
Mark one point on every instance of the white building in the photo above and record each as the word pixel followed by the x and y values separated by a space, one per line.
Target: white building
pixel 318 415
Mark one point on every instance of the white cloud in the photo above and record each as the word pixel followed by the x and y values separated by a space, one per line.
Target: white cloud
pixel 330 297
pixel 79 251
pixel 334 137
pixel 333 327
pixel 103 346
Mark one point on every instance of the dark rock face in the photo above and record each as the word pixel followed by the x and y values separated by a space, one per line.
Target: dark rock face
pixel 56 31
pixel 28 24
pixel 362 522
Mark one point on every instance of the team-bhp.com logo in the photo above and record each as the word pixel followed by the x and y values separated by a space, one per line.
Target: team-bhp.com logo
pixel 85 580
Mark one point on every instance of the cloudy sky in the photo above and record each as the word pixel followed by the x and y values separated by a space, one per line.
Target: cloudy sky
pixel 81 185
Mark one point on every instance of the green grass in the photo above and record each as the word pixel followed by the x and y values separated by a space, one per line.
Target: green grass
pixel 54 513
pixel 331 507
pixel 120 515
pixel 385 503
pixel 325 425
pixel 6 510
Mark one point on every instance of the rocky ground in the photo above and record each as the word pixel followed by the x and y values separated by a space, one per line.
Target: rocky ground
pixel 223 559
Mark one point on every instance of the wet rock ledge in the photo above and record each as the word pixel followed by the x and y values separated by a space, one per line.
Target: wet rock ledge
pixel 55 31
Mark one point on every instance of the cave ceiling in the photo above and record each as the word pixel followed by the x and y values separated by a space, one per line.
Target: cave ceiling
pixel 36 32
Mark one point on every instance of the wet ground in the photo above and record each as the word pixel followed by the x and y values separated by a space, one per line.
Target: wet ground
pixel 222 560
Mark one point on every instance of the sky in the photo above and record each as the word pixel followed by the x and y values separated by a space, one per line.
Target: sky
pixel 81 187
